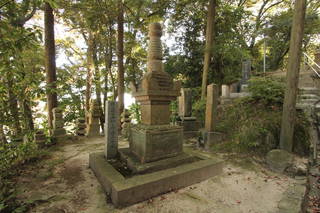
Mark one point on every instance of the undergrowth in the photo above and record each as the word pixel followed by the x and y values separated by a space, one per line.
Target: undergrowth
pixel 12 157
pixel 252 124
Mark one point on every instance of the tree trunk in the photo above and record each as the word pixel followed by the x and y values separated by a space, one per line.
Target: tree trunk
pixel 289 105
pixel 27 114
pixel 108 64
pixel 90 68
pixel 3 138
pixel 13 104
pixel 50 61
pixel 120 59
pixel 97 78
pixel 209 45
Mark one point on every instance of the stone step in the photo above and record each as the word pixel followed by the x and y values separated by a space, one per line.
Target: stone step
pixel 309 90
pixel 308 96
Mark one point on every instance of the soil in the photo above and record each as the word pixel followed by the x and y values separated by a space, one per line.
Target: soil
pixel 63 183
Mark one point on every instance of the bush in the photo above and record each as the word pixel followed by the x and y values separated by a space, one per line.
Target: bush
pixel 253 123
pixel 267 91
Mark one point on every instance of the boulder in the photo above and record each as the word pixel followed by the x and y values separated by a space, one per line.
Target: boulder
pixel 279 160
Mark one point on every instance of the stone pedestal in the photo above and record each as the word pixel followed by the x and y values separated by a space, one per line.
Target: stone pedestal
pixel 190 124
pixel 151 143
pixel 81 127
pixel 93 127
pixel 40 138
pixel 125 124
pixel 59 134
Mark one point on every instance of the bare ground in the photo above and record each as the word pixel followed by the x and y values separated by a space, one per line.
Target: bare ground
pixel 64 183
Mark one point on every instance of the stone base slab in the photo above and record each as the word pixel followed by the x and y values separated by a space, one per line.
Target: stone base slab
pixel 127 191
pixel 190 134
pixel 189 125
pixel 210 138
pixel 136 167
pixel 152 143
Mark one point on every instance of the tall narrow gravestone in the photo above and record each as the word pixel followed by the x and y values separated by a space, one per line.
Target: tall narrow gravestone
pixel 190 124
pixel 111 129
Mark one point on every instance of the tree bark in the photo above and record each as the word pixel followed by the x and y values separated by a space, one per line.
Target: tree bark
pixel 90 68
pixel 3 138
pixel 120 59
pixel 14 109
pixel 209 45
pixel 50 61
pixel 289 105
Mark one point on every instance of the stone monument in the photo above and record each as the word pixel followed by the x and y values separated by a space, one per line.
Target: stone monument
pixel 225 94
pixel 40 138
pixel 111 129
pixel 155 162
pixel 81 127
pixel 125 123
pixel 93 127
pixel 155 138
pixel 190 124
pixel 58 133
pixel 246 73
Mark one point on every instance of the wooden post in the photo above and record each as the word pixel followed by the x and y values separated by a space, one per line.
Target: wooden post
pixel 289 105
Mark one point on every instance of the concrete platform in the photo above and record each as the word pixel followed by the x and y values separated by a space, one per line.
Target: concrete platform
pixel 127 191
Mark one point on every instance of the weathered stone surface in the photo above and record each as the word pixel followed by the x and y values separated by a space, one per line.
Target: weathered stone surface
pixel 81 125
pixel 56 110
pixel 93 127
pixel 58 116
pixel 279 160
pixel 189 125
pixel 157 88
pixel 127 191
pixel 111 129
pixel 58 124
pixel 225 91
pixel 211 107
pixel 157 143
pixel 185 102
pixel 58 132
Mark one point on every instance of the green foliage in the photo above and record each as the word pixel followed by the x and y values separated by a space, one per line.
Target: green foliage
pixel 135 113
pixel 254 123
pixel 268 91
pixel 199 110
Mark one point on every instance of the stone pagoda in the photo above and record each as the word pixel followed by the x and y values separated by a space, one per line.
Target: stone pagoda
pixel 154 163
pixel 155 138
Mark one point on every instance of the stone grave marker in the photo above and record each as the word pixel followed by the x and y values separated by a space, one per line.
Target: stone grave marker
pixel 111 129
pixel 190 124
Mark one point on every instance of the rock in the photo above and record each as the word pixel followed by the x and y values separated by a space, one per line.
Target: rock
pixel 279 160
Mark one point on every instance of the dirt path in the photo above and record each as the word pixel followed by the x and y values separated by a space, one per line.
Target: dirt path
pixel 64 183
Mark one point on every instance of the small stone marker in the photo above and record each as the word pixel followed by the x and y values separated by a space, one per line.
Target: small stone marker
pixel 225 91
pixel 111 129
pixel 58 133
pixel 81 127
pixel 185 103
pixel 40 138
pixel 125 123
pixel 246 71
pixel 211 107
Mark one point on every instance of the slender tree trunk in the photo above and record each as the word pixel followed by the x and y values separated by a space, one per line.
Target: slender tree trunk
pixel 289 105
pixel 97 78
pixel 3 138
pixel 50 61
pixel 14 110
pixel 120 58
pixel 27 114
pixel 108 63
pixel 209 45
pixel 90 68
